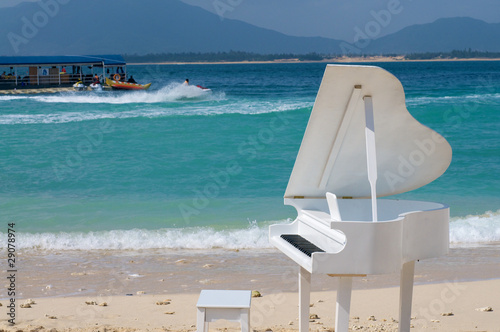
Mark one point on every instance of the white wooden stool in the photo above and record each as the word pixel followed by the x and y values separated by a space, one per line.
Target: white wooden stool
pixel 232 305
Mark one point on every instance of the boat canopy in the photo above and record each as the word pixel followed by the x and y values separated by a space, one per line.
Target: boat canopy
pixel 35 72
pixel 106 60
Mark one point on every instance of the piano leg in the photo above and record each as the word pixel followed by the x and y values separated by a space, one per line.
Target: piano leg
pixel 304 299
pixel 405 296
pixel 343 304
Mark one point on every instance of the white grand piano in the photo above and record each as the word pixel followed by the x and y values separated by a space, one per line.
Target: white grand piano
pixel 361 143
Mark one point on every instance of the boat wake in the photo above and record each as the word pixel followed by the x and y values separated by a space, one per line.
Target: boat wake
pixel 191 109
pixel 487 98
pixel 173 92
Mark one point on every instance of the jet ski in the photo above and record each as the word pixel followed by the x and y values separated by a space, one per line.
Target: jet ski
pixel 79 86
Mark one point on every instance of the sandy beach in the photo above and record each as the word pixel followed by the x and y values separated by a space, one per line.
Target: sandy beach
pixel 437 307
pixel 343 59
pixel 157 290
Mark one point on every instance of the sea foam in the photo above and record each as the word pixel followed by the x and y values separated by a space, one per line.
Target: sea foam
pixel 189 107
pixel 484 98
pixel 169 93
pixel 474 229
pixel 187 238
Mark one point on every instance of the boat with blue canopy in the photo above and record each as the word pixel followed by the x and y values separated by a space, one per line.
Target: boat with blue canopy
pixel 28 74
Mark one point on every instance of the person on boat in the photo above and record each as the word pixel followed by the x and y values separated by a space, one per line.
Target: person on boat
pixel 3 76
pixel 131 79
pixel 186 82
pixel 96 79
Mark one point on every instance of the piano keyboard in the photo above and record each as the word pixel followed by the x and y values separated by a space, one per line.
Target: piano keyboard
pixel 301 244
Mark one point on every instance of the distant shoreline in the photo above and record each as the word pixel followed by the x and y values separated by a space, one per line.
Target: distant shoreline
pixel 332 60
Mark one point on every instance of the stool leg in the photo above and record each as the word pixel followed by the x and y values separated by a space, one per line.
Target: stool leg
pixel 201 325
pixel 245 320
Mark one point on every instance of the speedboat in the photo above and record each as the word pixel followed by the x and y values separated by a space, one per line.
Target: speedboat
pixel 119 85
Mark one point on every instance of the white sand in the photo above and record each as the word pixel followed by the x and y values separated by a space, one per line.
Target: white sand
pixel 277 311
pixel 61 282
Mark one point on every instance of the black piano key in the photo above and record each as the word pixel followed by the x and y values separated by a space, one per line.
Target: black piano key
pixel 301 244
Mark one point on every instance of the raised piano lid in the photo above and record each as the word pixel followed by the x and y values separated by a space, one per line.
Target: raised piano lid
pixel 332 156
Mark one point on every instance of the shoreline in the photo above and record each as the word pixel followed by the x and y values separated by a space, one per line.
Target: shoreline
pixel 332 60
pixel 60 273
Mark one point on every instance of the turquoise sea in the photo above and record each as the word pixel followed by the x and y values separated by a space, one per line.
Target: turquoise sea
pixel 177 167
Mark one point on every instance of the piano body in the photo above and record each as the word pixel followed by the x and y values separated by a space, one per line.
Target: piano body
pixel 361 143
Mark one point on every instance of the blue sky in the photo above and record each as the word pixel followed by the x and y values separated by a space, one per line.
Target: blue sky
pixel 339 19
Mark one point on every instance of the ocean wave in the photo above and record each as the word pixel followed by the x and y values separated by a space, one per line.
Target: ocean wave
pixel 477 98
pixel 253 237
pixel 249 107
pixel 255 108
pixel 476 228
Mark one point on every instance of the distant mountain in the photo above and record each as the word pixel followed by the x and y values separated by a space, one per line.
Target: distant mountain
pixel 443 35
pixel 137 27
pixel 61 27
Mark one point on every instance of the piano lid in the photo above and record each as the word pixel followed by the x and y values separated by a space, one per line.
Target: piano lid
pixel 332 156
